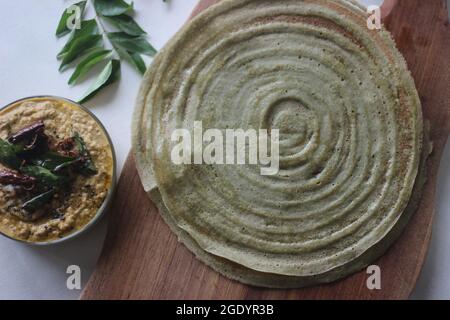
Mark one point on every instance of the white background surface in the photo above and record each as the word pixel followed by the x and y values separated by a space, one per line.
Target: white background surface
pixel 28 67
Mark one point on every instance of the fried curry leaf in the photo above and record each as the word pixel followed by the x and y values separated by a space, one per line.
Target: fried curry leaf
pixel 39 201
pixel 67 164
pixel 112 7
pixel 8 154
pixel 88 63
pixel 62 28
pixel 43 174
pixel 109 74
pixel 126 24
pixel 51 160
pixel 45 177
pixel 87 165
pixel 133 44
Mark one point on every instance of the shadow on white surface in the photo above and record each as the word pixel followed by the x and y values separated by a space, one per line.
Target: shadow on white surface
pixel 40 272
pixel 434 282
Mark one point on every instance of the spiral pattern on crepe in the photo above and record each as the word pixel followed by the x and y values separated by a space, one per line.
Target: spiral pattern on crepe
pixel 350 133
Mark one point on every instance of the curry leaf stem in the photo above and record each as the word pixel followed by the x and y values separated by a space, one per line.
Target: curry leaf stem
pixel 102 29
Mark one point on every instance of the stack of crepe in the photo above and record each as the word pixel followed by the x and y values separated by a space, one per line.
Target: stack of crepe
pixel 352 144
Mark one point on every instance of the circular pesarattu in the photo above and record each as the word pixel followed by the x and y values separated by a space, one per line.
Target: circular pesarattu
pixel 351 139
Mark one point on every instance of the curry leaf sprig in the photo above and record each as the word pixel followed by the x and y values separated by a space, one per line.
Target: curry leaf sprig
pixel 86 42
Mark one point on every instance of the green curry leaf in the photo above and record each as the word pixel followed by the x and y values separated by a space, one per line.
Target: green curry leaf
pixel 79 47
pixel 134 59
pixel 126 24
pixel 138 62
pixel 62 28
pixel 87 28
pixel 109 74
pixel 133 44
pixel 112 7
pixel 88 63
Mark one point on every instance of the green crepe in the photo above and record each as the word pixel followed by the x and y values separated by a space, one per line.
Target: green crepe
pixel 351 139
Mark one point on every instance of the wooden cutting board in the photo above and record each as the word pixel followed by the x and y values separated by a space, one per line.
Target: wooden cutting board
pixel 142 259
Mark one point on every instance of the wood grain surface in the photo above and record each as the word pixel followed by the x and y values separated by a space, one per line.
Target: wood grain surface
pixel 142 259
